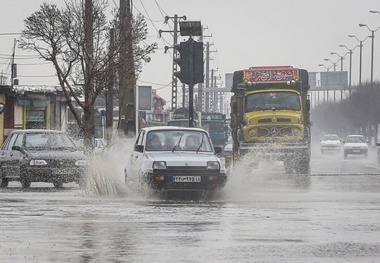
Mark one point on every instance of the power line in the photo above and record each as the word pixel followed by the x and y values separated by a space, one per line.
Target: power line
pixel 9 34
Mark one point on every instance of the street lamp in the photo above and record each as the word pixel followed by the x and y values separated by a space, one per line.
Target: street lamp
pixel 334 63
pixel 373 42
pixel 341 66
pixel 327 68
pixel 341 59
pixel 360 62
pixel 350 51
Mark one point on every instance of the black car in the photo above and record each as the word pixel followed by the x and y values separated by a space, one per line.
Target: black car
pixel 37 155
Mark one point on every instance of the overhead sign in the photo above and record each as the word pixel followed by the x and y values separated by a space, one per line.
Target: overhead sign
pixel 144 97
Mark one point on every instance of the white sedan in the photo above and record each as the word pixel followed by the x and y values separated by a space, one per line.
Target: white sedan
pixel 355 144
pixel 175 159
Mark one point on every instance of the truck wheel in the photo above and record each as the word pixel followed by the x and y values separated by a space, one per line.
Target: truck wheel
pixel 303 166
pixel 288 167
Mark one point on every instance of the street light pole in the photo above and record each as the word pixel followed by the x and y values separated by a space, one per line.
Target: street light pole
pixel 360 61
pixel 373 42
pixel 350 51
pixel 341 59
pixel 334 63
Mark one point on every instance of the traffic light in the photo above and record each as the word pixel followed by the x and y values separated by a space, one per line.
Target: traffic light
pixel 183 61
pixel 197 62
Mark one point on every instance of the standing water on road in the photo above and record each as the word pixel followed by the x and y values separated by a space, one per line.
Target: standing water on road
pixel 264 215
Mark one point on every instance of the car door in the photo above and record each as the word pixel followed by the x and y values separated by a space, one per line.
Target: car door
pixel 11 161
pixel 137 156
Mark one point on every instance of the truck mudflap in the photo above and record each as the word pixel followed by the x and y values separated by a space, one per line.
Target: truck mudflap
pixel 296 156
pixel 274 147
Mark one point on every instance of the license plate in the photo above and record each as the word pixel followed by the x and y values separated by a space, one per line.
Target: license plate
pixel 62 171
pixel 356 151
pixel 186 179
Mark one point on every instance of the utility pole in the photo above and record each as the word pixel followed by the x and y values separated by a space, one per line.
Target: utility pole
pixel 175 54
pixel 127 79
pixel 88 127
pixel 14 66
pixel 199 100
pixel 110 84
pixel 207 97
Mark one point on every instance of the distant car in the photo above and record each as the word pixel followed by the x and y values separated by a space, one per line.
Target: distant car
pixel 99 145
pixel 227 150
pixel 36 155
pixel 330 142
pixel 355 144
pixel 175 159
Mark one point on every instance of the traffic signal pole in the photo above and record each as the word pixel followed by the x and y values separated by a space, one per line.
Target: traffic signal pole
pixel 191 81
pixel 190 61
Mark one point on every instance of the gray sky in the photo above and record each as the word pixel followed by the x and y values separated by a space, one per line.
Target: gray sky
pixel 244 33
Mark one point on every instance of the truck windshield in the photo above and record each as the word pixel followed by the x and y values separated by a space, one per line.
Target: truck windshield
pixel 272 100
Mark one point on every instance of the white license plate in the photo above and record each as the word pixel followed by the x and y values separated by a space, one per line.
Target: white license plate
pixel 356 151
pixel 186 179
pixel 62 171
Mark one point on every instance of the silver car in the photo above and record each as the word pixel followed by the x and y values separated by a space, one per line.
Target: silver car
pixel 355 144
pixel 330 142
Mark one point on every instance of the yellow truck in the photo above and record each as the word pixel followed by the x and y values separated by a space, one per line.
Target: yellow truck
pixel 270 116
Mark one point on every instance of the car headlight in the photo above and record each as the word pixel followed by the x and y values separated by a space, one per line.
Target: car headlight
pixel 213 165
pixel 81 163
pixel 252 132
pixel 296 132
pixel 159 165
pixel 37 162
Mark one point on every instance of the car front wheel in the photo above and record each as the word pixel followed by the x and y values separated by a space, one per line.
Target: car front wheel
pixel 4 183
pixel 25 183
pixel 57 184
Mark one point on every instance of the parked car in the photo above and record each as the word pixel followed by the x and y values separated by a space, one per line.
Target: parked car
pixel 330 142
pixel 175 159
pixel 227 150
pixel 355 144
pixel 36 155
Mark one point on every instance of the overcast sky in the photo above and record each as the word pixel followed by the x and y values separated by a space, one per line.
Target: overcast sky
pixel 243 33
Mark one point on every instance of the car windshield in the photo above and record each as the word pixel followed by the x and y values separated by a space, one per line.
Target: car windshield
pixel 51 141
pixel 356 139
pixel 330 138
pixel 269 100
pixel 213 126
pixel 178 140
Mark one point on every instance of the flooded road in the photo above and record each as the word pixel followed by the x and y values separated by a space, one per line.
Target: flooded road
pixel 264 215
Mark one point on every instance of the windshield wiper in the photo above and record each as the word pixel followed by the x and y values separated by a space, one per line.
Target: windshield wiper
pixel 177 145
pixel 200 145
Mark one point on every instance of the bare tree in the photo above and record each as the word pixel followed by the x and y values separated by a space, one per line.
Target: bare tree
pixel 76 40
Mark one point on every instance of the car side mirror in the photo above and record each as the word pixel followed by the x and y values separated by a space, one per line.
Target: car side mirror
pixel 378 144
pixel 139 148
pixel 17 148
pixel 218 149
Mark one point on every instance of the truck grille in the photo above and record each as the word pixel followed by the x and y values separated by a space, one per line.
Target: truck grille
pixel 277 131
pixel 266 120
